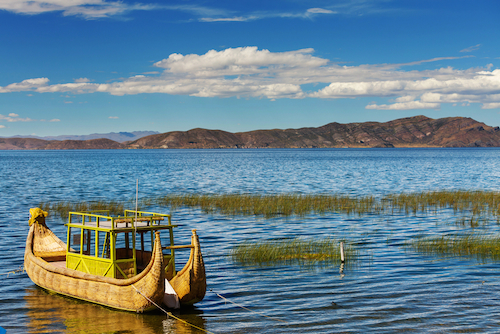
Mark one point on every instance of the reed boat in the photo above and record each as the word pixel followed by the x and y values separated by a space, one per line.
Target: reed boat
pixel 118 262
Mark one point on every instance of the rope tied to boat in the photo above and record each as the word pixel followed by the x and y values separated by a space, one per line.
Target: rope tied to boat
pixel 170 313
pixel 246 308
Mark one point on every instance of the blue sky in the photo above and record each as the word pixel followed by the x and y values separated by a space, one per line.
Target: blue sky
pixel 87 66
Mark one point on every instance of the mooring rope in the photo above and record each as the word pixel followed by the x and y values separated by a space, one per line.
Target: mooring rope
pixel 20 270
pixel 246 308
pixel 169 313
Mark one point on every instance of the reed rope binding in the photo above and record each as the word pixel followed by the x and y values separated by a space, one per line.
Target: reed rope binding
pixel 246 308
pixel 169 314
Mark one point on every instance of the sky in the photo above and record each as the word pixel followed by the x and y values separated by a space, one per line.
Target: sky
pixel 75 67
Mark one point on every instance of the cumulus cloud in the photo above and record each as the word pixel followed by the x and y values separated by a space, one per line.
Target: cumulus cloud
pixel 245 60
pixel 12 117
pixel 494 105
pixel 89 9
pixel 25 85
pixel 405 106
pixel 249 72
pixel 82 80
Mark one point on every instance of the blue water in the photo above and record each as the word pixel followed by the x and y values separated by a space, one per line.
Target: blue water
pixel 392 290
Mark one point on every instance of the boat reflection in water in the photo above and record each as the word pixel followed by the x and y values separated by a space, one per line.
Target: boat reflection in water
pixel 52 313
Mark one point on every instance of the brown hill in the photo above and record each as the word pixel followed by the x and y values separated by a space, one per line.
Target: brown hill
pixel 418 131
pixel 22 143
pixel 101 143
pixel 39 144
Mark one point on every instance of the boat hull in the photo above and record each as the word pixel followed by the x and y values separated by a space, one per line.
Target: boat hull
pixel 138 294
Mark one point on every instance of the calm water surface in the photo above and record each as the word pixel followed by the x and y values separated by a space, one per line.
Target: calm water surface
pixel 392 290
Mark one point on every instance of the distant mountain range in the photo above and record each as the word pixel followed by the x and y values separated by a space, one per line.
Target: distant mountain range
pixel 418 131
pixel 115 136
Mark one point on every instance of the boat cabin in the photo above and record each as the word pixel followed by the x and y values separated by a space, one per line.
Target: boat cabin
pixel 117 247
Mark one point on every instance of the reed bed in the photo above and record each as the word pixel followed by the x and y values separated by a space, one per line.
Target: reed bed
pixel 293 251
pixel 482 247
pixel 274 205
pixel 62 208
pixel 475 202
pixel 469 203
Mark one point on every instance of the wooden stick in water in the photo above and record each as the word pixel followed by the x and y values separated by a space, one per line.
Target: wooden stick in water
pixel 342 256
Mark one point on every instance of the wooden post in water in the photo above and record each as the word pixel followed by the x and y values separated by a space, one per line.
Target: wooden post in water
pixel 342 256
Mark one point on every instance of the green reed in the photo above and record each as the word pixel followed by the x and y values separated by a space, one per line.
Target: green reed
pixel 468 203
pixel 475 202
pixel 273 205
pixel 482 247
pixel 62 208
pixel 471 202
pixel 292 251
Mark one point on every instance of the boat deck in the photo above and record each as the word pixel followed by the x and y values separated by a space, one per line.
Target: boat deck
pixel 60 264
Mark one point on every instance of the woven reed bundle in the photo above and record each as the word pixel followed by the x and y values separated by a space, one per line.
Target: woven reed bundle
pixel 48 244
pixel 113 292
pixel 190 283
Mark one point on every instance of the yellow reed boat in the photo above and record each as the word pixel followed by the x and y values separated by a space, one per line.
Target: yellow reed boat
pixel 117 262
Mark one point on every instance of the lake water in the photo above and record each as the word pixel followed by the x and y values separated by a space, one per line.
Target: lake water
pixel 391 290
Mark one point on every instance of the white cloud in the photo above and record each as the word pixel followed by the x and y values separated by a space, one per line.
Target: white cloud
pixel 2 126
pixel 94 9
pixel 320 11
pixel 82 80
pixel 89 9
pixel 250 72
pixel 471 48
pixel 245 60
pixel 12 117
pixel 113 117
pixel 25 85
pixel 227 16
pixel 228 19
pixel 405 106
pixel 495 105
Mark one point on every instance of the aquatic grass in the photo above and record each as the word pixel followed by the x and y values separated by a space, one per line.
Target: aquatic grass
pixel 62 208
pixel 482 247
pixel 292 251
pixel 273 205
pixel 474 204
pixel 470 222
